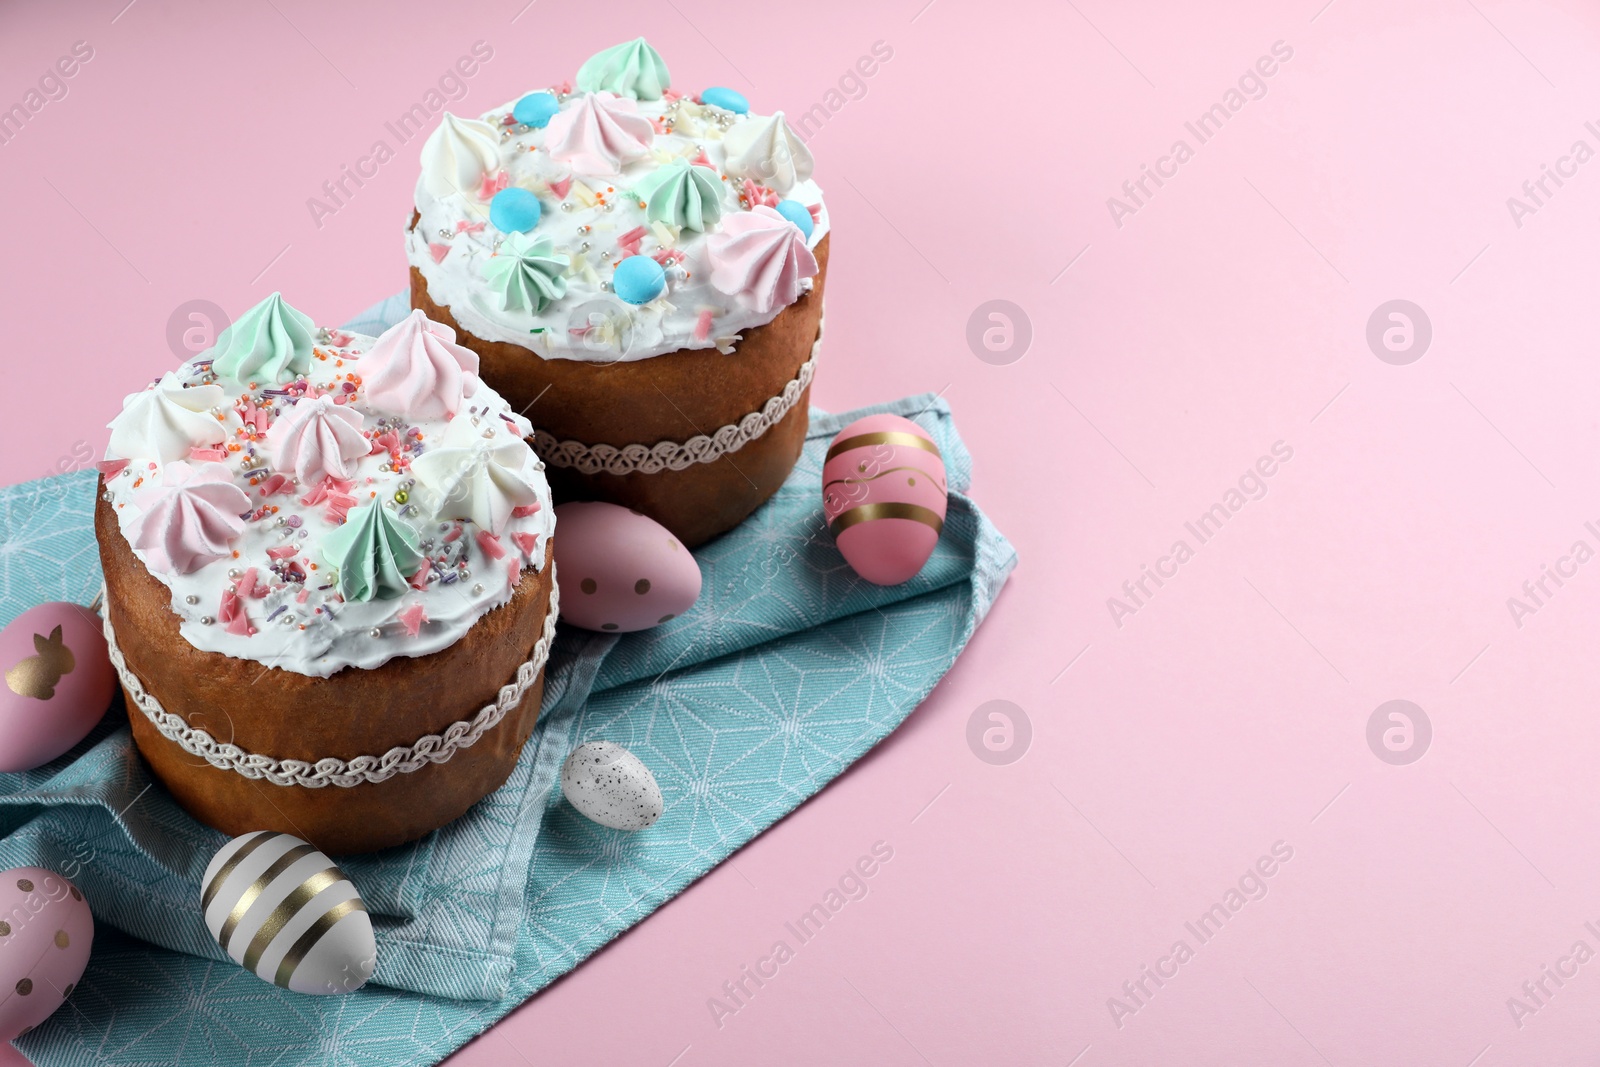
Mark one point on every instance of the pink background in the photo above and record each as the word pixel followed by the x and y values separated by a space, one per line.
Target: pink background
pixel 1228 313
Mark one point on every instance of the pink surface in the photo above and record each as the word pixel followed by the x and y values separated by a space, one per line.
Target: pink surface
pixel 1169 356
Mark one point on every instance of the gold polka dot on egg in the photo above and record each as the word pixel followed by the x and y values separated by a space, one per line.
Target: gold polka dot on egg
pixel 642 586
pixel 25 986
pixel 588 585
pixel 62 940
pixel 24 885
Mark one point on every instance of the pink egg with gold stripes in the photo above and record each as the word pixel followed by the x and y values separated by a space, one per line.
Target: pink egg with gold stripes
pixel 884 496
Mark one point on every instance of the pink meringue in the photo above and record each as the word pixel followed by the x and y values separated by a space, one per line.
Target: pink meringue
pixel 417 370
pixel 317 438
pixel 601 134
pixel 760 259
pixel 191 518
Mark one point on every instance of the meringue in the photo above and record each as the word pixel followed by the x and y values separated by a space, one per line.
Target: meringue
pixel 416 369
pixel 476 473
pixel 768 152
pixel 190 518
pixel 317 439
pixel 457 155
pixel 600 135
pixel 632 69
pixel 165 421
pixel 272 341
pixel 760 259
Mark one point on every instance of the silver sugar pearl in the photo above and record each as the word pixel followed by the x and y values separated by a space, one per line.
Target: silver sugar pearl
pixel 191 599
pixel 445 235
pixel 583 246
pixel 605 287
pixel 289 618
pixel 477 590
pixel 607 206
pixel 376 631
pixel 207 620
pixel 234 573
pixel 604 256
pixel 565 206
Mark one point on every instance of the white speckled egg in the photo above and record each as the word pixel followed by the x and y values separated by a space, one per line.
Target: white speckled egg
pixel 609 785
pixel 284 912
pixel 45 933
pixel 58 683
pixel 620 570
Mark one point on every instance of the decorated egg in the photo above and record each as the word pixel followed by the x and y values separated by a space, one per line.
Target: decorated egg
pixel 44 946
pixel 536 109
pixel 799 214
pixel 59 683
pixel 620 570
pixel 883 494
pixel 285 913
pixel 726 99
pixel 609 785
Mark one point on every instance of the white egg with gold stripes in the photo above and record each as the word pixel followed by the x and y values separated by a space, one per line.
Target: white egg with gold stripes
pixel 281 910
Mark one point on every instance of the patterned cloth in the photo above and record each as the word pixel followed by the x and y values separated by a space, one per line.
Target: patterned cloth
pixel 787 670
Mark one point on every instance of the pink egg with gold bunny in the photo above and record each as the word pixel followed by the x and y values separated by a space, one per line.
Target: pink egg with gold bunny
pixel 58 683
pixel 884 496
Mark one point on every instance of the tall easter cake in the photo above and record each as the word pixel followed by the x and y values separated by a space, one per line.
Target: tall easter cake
pixel 329 587
pixel 640 270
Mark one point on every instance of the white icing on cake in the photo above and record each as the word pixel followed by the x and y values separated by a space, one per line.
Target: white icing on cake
pixel 454 238
pixel 294 616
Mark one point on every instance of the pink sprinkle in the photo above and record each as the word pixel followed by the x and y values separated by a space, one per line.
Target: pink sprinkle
pixel 213 455
pixel 669 95
pixel 659 124
pixel 816 212
pixel 493 184
pixel 565 89
pixel 282 551
pixel 245 584
pixel 232 614
pixel 439 252
pixel 561 187
pixel 514 569
pixel 522 511
pixel 702 325
pixel 338 338
pixel 387 441
pixel 758 195
pixel 275 483
pixel 455 532
pixel 419 580
pixel 527 542
pixel 412 619
pixel 302 596
pixel 491 545
pixel 463 226
pixel 701 160
pixel 111 467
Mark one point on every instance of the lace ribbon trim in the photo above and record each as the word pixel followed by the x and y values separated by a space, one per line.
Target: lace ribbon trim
pixel 434 748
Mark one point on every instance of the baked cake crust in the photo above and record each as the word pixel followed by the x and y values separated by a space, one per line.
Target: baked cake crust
pixel 296 716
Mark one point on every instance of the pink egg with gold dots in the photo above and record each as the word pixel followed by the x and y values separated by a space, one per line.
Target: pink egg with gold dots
pixel 884 496
pixel 45 934
pixel 620 570
pixel 58 683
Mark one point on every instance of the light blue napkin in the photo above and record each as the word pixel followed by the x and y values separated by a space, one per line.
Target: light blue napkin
pixel 787 670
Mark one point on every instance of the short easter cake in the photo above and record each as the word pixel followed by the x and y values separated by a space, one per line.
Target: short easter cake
pixel 640 270
pixel 329 587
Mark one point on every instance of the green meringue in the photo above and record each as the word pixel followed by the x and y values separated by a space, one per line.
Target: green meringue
pixel 632 69
pixel 270 341
pixel 528 274
pixel 376 554
pixel 684 195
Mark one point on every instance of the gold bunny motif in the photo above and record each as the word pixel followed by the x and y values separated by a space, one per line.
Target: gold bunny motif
pixel 36 676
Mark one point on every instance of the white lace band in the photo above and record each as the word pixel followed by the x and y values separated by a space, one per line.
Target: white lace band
pixel 434 748
pixel 680 455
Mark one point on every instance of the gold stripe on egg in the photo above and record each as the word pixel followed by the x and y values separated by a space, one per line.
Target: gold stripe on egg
pixel 883 437
pixel 886 510
pixel 308 940
pixel 883 474
pixel 215 885
pixel 250 895
pixel 303 894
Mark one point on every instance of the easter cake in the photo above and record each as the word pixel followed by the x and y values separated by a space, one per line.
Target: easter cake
pixel 640 270
pixel 329 587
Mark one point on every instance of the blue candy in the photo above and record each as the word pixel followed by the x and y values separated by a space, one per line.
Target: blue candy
pixel 638 280
pixel 536 109
pixel 514 210
pixel 726 99
pixel 799 214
